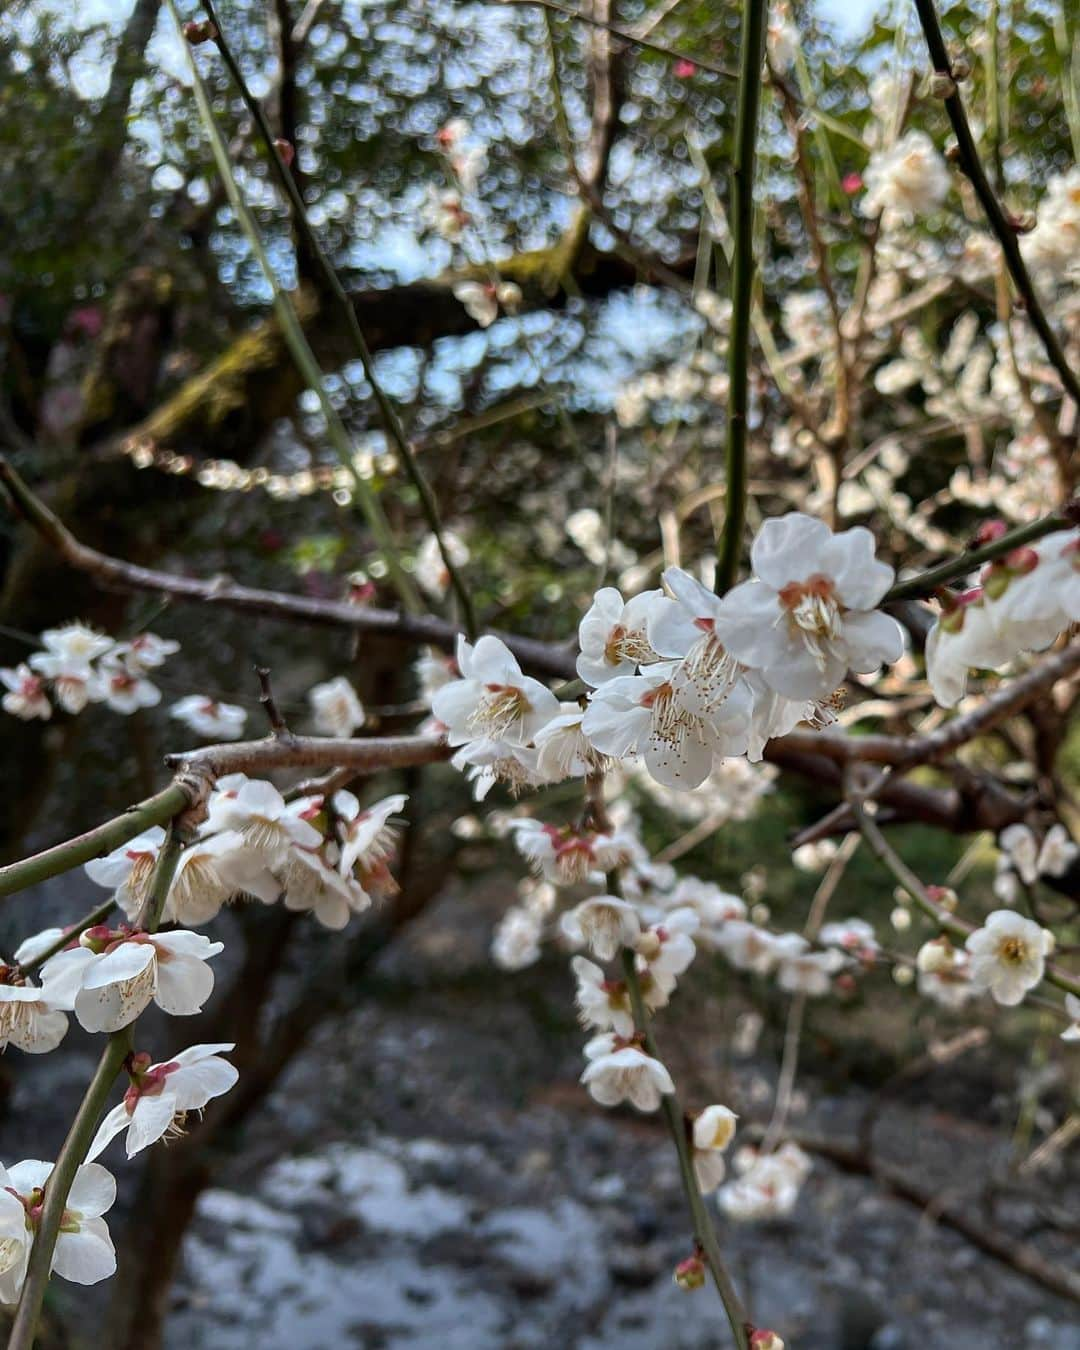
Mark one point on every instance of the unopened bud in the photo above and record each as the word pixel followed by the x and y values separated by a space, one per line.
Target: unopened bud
pixel 648 945
pixel 995 580
pixel 1022 560
pixel 961 68
pixel 690 1274
pixel 286 150
pixel 942 85
pixel 900 919
pixel 197 33
pixel 1023 222
pixel 989 532
pixel 765 1340
pixel 944 896
pixel 936 956
pixel 952 153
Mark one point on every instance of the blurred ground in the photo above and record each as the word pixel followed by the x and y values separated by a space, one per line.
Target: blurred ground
pixel 431 1177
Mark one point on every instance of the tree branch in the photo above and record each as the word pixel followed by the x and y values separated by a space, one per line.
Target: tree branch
pixel 1000 224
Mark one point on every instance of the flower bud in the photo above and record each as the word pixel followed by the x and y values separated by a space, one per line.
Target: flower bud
pixel 1023 222
pixel 942 85
pixel 995 580
pixel 690 1274
pixel 765 1340
pixel 1022 561
pixel 989 532
pixel 945 897
pixel 935 956
pixel 286 150
pixel 197 33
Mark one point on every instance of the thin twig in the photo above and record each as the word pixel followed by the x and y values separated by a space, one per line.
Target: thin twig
pixel 926 583
pixel 387 413
pixel 1002 227
pixel 658 47
pixel 269 703
pixel 675 1118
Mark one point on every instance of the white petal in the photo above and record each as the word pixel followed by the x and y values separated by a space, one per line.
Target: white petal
pixel 85 1257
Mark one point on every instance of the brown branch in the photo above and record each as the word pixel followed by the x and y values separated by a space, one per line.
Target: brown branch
pixel 1002 227
pixel 1020 1256
pixel 546 658
pixel 310 752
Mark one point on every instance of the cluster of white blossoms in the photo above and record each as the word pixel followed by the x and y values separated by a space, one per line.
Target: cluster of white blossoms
pixel 905 181
pixel 329 857
pixel 679 677
pixel 326 856
pixel 1023 602
pixel 79 666
pixel 1024 858
pixel 768 1184
pixel 1052 248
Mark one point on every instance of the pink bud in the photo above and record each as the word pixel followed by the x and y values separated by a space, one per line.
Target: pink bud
pixel 197 33
pixel 990 531
pixel 1022 560
pixel 286 150
pixel 690 1274
pixel 684 69
pixel 765 1340
pixel 851 183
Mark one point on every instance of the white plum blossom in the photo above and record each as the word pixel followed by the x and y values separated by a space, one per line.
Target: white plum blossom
pixel 565 855
pixel 159 1096
pixel 809 614
pixel 26 697
pixel 433 670
pixel 713 906
pixel 28 1020
pixel 1008 955
pixel 110 976
pixel 486 762
pixel 336 710
pixel 563 750
pixel 369 834
pixel 748 947
pixel 431 571
pixel 1072 1012
pixel 482 300
pixel 1053 246
pixel 312 884
pixel 127 870
pixel 769 1184
pixel 604 924
pixel 1021 848
pixel 801 970
pixel 948 980
pixel 781 39
pixel 854 936
pixel 618 1073
pixel 516 942
pixel 664 952
pixel 84 1251
pixel 602 1003
pixel 145 651
pixel 661 715
pixel 209 873
pixel 126 691
pixel 816 856
pixel 209 718
pixel 493 700
pixel 75 644
pixel 713 1131
pixel 613 636
pixel 257 811
pixel 905 182
pixel 1057 852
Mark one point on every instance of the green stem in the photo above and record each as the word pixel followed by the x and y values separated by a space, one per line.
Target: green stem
pixel 77 1144
pixel 751 56
pixel 934 577
pixel 391 422
pixel 297 343
pixel 704 1233
pixel 74 1150
pixel 102 839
